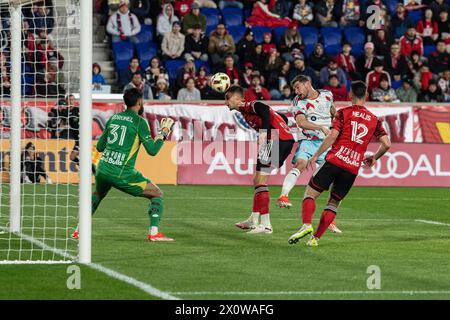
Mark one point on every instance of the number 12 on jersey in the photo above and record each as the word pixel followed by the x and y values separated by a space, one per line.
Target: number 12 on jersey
pixel 359 131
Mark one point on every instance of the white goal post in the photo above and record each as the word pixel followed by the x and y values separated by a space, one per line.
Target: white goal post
pixel 35 209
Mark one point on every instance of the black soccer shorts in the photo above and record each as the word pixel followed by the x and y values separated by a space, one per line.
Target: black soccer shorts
pixel 281 150
pixel 328 174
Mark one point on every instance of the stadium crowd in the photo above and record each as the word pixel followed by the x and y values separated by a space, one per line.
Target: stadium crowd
pixel 404 59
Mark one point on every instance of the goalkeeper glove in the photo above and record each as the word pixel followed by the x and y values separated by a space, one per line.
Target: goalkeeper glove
pixel 166 126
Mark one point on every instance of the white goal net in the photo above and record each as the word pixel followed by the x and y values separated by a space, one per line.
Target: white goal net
pixel 39 214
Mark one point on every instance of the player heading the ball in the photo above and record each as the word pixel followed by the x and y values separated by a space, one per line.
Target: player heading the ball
pixel 274 144
pixel 120 142
pixel 352 129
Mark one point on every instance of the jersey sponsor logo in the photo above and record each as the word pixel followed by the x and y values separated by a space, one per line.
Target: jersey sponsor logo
pixel 113 157
pixel 313 118
pixel 349 156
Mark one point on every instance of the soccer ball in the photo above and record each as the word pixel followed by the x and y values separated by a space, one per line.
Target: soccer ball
pixel 220 82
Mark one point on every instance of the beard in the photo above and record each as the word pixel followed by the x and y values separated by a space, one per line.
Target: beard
pixel 141 110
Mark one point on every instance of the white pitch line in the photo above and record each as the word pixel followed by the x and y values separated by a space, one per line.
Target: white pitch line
pixel 251 198
pixel 109 272
pixel 433 222
pixel 266 293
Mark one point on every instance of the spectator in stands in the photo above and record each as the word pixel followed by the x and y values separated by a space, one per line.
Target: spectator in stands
pixel 138 83
pixel 201 80
pixel 318 58
pixel 272 63
pixel 427 28
pixel 278 80
pixel 32 166
pixel 410 42
pixel 384 92
pixel 5 82
pixel 351 13
pixel 173 42
pixel 49 81
pixel 56 114
pixel 443 26
pixel 439 60
pixel 190 93
pixel 364 62
pixel 327 13
pixel 73 118
pixel 290 38
pixel 246 78
pixel 256 91
pixel 232 70
pixel 133 68
pixel 182 7
pixel 246 47
pixel 258 58
pixel 123 25
pixel 194 18
pixel 41 18
pixel 303 13
pixel 347 62
pixel 299 68
pixel 220 45
pixel 165 20
pixel 423 77
pixel 439 6
pixel 141 8
pixel 154 72
pixel 331 69
pixel 162 90
pixel 382 42
pixel 400 22
pixel 196 45
pixel 411 5
pixel 444 84
pixel 339 91
pixel 207 4
pixel 230 4
pixel 407 92
pixel 415 63
pixel 97 78
pixel 373 77
pixel 397 64
pixel 432 93
pixel 267 43
pixel 185 72
pixel 286 93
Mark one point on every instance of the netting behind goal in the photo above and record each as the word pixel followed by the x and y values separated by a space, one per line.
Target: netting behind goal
pixel 50 63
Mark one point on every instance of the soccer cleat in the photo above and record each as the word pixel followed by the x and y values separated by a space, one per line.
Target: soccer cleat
pixel 75 234
pixel 333 228
pixel 313 242
pixel 159 237
pixel 261 229
pixel 283 202
pixel 245 225
pixel 303 232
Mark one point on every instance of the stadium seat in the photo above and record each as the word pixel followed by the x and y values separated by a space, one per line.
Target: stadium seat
pixel 415 16
pixel 122 51
pixel 146 34
pixel 332 40
pixel 145 52
pixel 237 32
pixel 428 50
pixel 232 17
pixel 310 37
pixel 212 20
pixel 172 66
pixel 210 12
pixel 210 29
pixel 199 63
pixel 258 32
pixel 356 37
pixel 396 84
pixel 278 33
pixel 391 6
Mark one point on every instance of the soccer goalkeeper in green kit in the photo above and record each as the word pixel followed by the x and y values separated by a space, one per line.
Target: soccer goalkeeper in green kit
pixel 123 135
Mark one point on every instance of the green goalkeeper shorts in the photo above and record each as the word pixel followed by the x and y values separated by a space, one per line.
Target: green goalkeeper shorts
pixel 133 183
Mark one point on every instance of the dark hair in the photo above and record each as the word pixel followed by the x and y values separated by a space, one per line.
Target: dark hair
pixel 131 97
pixel 300 78
pixel 29 145
pixel 137 73
pixel 331 76
pixel 359 89
pixel 235 89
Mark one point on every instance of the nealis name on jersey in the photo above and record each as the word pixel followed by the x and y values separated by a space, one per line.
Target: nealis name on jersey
pixel 124 118
pixel 349 156
pixel 362 115
pixel 113 157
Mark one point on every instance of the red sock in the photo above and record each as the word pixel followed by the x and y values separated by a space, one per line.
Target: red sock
pixel 261 200
pixel 308 207
pixel 325 220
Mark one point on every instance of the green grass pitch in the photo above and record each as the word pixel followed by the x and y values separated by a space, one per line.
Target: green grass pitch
pixel 212 259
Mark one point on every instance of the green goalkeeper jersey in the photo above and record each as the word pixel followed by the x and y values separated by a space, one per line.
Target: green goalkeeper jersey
pixel 120 143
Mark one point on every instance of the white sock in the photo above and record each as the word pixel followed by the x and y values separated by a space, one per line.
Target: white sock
pixel 153 231
pixel 254 217
pixel 265 220
pixel 290 181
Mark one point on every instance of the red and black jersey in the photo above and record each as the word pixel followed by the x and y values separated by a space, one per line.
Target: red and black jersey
pixel 262 117
pixel 356 126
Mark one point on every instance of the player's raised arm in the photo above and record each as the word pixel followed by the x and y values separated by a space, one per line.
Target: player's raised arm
pixel 153 146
